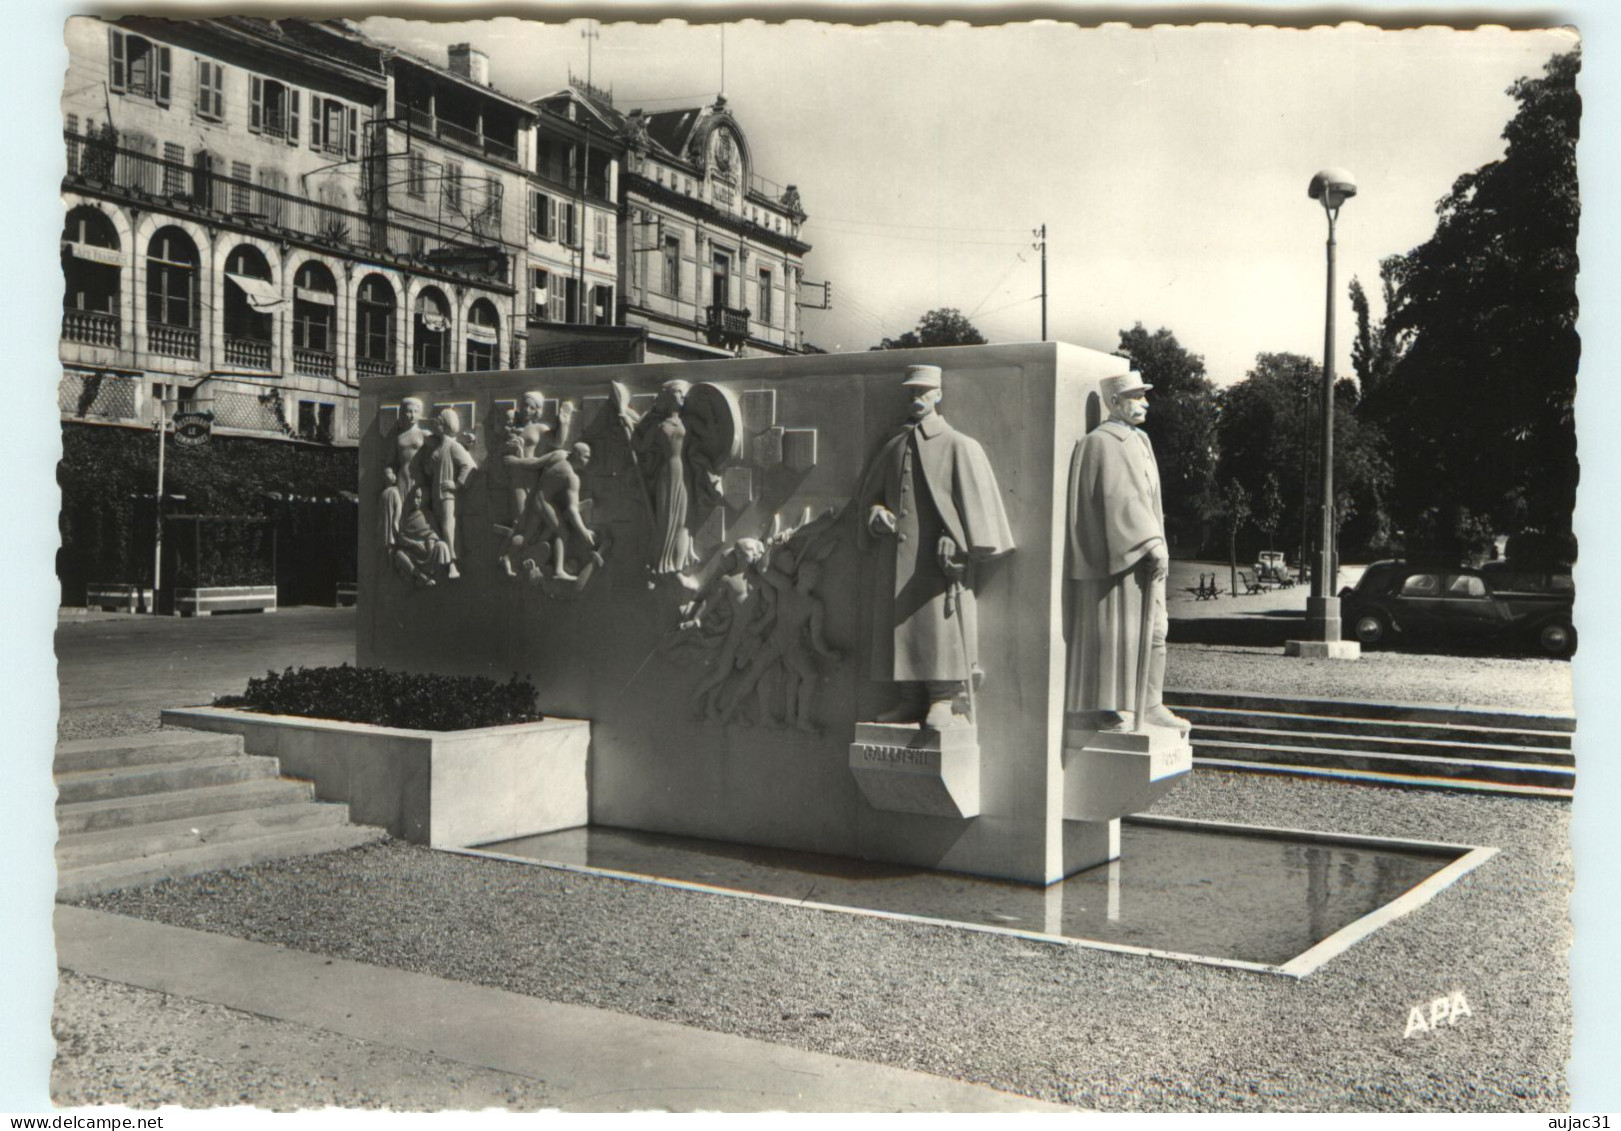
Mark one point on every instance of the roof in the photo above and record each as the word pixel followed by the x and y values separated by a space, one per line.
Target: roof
pixel 673 129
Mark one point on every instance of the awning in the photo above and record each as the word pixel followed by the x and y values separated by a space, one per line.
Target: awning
pixel 93 254
pixel 325 298
pixel 486 334
pixel 261 293
pixel 438 323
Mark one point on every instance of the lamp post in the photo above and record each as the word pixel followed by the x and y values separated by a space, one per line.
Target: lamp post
pixel 1332 188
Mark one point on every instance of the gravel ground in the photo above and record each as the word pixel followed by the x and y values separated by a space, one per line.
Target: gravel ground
pixel 119 1044
pixel 1099 1030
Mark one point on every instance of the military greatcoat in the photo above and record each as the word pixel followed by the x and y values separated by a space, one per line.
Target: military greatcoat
pixel 936 481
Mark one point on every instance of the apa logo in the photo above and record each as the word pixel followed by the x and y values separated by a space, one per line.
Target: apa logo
pixel 1443 1010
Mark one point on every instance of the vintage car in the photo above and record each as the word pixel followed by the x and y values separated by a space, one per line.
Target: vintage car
pixel 1271 568
pixel 1398 600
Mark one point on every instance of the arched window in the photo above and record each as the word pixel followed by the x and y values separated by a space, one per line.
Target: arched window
pixel 250 300
pixel 315 306
pixel 91 268
pixel 430 332
pixel 483 337
pixel 374 326
pixel 171 293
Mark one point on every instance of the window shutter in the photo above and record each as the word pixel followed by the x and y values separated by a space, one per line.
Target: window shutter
pixel 162 86
pixel 354 132
pixel 315 121
pixel 551 218
pixel 534 212
pixel 292 117
pixel 204 103
pixel 256 112
pixel 115 59
pixel 219 91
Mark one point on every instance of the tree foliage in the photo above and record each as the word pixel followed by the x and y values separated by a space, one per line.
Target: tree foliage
pixel 1478 401
pixel 945 326
pixel 1182 424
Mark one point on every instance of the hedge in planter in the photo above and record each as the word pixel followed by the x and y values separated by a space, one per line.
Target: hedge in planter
pixel 390 699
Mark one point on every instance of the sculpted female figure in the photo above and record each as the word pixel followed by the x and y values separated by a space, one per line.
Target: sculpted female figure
pixel 659 441
pixel 449 465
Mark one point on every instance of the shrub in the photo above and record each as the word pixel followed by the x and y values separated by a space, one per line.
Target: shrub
pixel 390 699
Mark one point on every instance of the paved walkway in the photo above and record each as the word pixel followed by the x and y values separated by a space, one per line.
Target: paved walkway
pixel 590 1059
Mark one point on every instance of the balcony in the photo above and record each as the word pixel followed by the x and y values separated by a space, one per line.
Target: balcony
pixel 91 327
pixel 726 326
pixel 249 353
pixel 314 363
pixel 171 341
pixel 374 367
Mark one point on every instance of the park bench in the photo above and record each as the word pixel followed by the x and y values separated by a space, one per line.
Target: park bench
pixel 1251 585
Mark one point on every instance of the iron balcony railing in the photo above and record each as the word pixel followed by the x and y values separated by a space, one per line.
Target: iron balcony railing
pixel 96 159
pixel 91 327
pixel 171 341
pixel 726 325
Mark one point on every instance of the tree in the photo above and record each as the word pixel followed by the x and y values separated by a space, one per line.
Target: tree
pixel 1478 407
pixel 945 326
pixel 1378 346
pixel 1235 506
pixel 1181 422
pixel 1269 512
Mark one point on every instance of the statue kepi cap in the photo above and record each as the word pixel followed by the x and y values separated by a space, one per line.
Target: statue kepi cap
pixel 1111 387
pixel 922 377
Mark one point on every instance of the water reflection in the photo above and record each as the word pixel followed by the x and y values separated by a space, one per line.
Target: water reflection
pixel 1192 890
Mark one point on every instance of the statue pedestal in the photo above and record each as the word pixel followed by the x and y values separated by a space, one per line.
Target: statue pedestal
pixel 903 768
pixel 1108 774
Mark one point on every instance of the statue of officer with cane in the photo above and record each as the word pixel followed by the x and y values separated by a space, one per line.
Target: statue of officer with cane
pixel 1118 559
pixel 929 506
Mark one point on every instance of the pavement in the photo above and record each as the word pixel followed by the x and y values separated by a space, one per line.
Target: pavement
pixel 586 1059
pixel 579 1058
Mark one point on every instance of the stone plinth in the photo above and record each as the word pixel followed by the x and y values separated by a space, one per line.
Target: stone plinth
pixel 1108 774
pixel 1323 649
pixel 907 769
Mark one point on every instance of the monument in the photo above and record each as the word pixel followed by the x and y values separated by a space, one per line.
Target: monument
pixel 806 624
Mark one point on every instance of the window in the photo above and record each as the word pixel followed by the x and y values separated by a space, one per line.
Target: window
pixel 486 220
pixel 249 295
pixel 721 280
pixel 569 222
pixel 314 308
pixel 174 169
pixel 241 193
pixel 483 337
pixel 273 109
pixel 453 186
pixel 272 195
pixel 1466 585
pixel 315 421
pixel 374 320
pixel 333 126
pixel 138 166
pixel 171 279
pixel 602 306
pixel 599 242
pixel 672 266
pixel 90 262
pixel 543 215
pixel 539 284
pixel 571 301
pixel 210 89
pixel 416 174
pixel 138 67
pixel 430 332
pixel 764 312
pixel 1421 585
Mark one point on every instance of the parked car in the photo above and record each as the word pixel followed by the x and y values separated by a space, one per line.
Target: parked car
pixel 1271 568
pixel 1398 600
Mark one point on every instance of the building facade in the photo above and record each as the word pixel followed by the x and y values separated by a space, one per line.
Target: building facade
pixel 258 212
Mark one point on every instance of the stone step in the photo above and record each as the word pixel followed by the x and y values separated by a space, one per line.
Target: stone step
pixel 79 755
pixel 132 841
pixel 1420 747
pixel 1460 734
pixel 162 777
pixel 94 879
pixel 1382 778
pixel 1340 708
pixel 1363 762
pixel 120 812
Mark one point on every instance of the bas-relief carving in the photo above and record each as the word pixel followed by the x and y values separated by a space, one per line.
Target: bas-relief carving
pixel 1118 561
pixel 423 476
pixel 757 624
pixel 929 510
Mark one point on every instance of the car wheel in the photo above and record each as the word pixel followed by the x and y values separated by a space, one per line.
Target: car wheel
pixel 1371 629
pixel 1556 638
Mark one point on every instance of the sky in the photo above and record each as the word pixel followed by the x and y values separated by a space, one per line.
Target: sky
pixel 1168 164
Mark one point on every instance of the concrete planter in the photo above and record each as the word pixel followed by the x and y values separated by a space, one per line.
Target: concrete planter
pixel 449 789
pixel 205 600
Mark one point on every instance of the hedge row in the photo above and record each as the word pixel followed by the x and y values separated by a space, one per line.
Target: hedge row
pixel 390 699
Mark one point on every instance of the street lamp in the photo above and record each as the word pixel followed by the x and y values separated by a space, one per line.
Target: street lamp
pixel 1332 187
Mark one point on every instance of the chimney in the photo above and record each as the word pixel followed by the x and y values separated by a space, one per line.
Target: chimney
pixel 469 62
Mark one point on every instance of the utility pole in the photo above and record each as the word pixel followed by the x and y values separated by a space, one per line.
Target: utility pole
pixel 157 543
pixel 589 34
pixel 1041 246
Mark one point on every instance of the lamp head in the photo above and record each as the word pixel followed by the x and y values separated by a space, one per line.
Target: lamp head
pixel 1333 187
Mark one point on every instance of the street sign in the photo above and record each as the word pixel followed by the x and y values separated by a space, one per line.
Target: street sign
pixel 193 428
